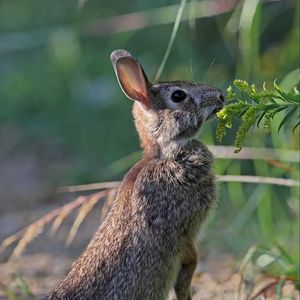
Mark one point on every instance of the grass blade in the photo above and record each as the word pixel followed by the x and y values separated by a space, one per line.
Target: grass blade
pixel 171 40
pixel 284 254
pixel 278 288
pixel 249 33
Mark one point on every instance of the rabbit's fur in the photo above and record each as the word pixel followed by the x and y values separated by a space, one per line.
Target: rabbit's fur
pixel 145 246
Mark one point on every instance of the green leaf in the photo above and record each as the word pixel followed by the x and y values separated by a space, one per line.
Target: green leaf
pixel 296 126
pixel 294 96
pixel 280 109
pixel 270 106
pixel 255 99
pixel 260 118
pixel 284 254
pixel 293 272
pixel 277 110
pixel 285 119
pixel 23 286
pixel 285 96
pixel 243 112
pixel 10 294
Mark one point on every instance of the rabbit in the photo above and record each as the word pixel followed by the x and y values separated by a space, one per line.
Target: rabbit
pixel 145 247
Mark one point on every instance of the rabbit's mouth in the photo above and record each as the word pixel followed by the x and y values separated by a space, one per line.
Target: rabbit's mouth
pixel 214 104
pixel 213 113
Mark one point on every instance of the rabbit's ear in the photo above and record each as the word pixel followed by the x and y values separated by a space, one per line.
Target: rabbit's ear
pixel 131 77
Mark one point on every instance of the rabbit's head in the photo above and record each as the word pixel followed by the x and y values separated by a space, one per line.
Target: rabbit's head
pixel 166 113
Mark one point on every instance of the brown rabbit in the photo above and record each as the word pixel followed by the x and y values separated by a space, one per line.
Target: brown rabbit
pixel 145 246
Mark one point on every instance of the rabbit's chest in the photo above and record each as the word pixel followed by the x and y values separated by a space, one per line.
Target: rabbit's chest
pixel 173 196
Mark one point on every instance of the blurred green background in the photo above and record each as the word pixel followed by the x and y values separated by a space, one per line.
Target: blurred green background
pixel 64 119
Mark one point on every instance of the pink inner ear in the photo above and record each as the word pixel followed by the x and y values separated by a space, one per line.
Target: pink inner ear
pixel 132 80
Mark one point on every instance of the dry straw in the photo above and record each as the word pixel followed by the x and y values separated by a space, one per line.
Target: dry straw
pixel 58 215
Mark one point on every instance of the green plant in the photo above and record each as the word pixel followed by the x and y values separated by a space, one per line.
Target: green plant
pixel 270 262
pixel 252 106
pixel 18 289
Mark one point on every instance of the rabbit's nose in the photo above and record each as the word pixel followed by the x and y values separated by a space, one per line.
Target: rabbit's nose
pixel 221 97
pixel 216 95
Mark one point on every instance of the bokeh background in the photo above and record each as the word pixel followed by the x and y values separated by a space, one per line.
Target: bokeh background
pixel 64 120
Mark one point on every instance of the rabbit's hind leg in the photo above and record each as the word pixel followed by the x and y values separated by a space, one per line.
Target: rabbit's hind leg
pixel 188 265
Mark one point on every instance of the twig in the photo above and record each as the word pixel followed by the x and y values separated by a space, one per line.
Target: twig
pixel 220 152
pixel 252 153
pixel 87 187
pixel 281 165
pixel 221 178
pixel 259 179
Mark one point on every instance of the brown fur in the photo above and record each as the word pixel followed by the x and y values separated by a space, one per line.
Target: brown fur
pixel 145 246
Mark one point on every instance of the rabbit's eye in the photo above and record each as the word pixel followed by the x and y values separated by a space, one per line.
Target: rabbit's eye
pixel 178 96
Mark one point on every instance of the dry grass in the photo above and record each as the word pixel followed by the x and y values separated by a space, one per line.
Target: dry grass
pixel 57 216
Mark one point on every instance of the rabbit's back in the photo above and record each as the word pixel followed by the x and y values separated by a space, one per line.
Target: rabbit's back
pixel 122 261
